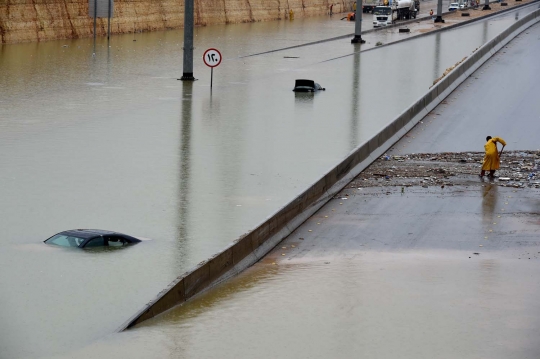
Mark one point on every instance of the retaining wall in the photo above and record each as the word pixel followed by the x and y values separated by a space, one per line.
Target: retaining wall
pixel 39 20
pixel 253 246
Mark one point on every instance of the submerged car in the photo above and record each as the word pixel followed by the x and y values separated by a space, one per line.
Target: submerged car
pixel 307 86
pixel 453 6
pixel 90 238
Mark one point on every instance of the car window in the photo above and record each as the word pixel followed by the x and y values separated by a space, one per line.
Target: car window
pixel 115 241
pixel 95 242
pixel 65 241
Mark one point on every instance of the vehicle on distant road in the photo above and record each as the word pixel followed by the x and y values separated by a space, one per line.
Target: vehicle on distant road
pixel 307 86
pixel 369 5
pixel 453 6
pixel 383 16
pixel 90 238
pixel 396 10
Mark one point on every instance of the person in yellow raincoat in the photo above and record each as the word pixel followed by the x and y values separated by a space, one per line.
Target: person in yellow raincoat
pixel 492 159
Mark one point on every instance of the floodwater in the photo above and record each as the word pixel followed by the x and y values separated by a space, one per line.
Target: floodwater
pixel 116 142
pixel 387 305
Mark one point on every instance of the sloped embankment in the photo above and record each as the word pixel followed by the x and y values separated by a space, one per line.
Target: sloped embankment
pixel 39 20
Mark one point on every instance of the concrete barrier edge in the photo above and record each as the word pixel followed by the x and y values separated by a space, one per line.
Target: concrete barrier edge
pixel 251 247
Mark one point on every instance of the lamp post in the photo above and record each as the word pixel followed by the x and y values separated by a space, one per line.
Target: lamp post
pixel 357 39
pixel 187 74
pixel 95 20
pixel 439 12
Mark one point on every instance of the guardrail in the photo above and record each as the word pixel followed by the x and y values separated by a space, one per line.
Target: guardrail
pixel 251 247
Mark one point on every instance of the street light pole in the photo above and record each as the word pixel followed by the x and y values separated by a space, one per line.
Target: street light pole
pixel 95 20
pixel 357 39
pixel 188 41
pixel 109 21
pixel 439 12
pixel 486 6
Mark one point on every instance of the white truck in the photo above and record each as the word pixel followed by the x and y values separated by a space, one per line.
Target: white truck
pixel 394 10
pixel 369 5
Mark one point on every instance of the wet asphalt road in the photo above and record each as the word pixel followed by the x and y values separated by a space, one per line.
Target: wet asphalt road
pixel 500 99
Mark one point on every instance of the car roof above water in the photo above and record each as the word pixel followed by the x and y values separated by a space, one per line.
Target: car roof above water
pixel 86 233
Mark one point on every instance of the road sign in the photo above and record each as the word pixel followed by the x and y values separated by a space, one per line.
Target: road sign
pixel 101 8
pixel 212 58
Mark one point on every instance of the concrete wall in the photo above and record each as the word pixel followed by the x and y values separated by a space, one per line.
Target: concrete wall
pixel 249 249
pixel 39 20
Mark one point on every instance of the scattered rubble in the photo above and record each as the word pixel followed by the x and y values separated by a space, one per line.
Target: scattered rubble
pixel 519 169
pixel 448 70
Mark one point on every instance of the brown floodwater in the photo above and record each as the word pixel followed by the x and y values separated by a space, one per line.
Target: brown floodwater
pixel 380 305
pixel 114 141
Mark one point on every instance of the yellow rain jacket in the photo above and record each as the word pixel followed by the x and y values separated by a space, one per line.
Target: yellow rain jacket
pixel 491 158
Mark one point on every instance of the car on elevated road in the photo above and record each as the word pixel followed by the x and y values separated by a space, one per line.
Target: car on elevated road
pixel 303 85
pixel 91 238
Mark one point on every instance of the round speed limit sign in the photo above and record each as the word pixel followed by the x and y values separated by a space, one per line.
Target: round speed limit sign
pixel 212 57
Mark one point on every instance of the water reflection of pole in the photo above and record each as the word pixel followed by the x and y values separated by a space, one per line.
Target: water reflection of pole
pixel 437 65
pixel 439 12
pixel 490 197
pixel 355 103
pixel 489 279
pixel 188 41
pixel 357 39
pixel 485 31
pixel 185 160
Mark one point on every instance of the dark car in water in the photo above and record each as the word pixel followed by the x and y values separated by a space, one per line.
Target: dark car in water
pixel 91 238
pixel 307 86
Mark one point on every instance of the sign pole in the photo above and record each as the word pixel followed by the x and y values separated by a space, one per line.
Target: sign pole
pixel 212 58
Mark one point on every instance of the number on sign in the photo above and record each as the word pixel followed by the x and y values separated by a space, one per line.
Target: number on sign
pixel 212 57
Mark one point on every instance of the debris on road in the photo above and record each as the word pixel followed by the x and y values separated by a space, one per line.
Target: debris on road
pixel 519 169
pixel 447 71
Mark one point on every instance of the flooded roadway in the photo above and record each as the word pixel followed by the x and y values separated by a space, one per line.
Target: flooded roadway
pixel 115 142
pixel 429 273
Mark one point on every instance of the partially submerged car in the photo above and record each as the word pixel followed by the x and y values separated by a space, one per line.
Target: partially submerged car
pixel 453 6
pixel 90 238
pixel 307 86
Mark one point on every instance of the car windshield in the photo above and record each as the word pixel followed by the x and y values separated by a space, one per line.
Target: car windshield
pixel 454 4
pixel 382 11
pixel 65 240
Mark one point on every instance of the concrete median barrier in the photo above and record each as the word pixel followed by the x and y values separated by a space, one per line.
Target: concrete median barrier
pixel 251 247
